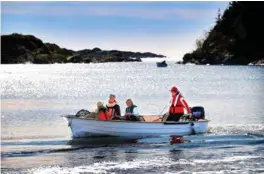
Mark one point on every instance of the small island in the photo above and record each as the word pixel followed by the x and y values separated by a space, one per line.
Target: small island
pixel 18 48
pixel 236 39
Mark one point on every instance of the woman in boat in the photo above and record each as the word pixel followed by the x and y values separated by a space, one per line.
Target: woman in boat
pixel 113 109
pixel 178 105
pixel 131 111
pixel 101 111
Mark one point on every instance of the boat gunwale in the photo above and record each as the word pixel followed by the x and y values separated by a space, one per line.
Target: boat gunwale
pixel 125 121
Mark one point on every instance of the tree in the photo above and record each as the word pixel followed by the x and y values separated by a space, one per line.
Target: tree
pixel 218 18
pixel 200 42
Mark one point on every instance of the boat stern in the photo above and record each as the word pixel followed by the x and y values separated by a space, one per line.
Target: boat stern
pixel 200 127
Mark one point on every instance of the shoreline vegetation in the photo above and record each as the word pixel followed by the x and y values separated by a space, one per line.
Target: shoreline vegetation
pixel 236 39
pixel 18 48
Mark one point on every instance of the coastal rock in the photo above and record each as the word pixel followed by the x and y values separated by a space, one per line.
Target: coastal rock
pixel 18 48
pixel 179 62
pixel 234 40
pixel 259 62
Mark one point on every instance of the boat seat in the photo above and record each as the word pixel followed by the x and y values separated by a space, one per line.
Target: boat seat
pixel 152 118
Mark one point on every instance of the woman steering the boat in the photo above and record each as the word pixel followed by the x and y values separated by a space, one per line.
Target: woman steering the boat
pixel 113 109
pixel 131 111
pixel 178 105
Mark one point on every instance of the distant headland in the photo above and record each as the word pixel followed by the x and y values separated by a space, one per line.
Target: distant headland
pixel 236 39
pixel 18 48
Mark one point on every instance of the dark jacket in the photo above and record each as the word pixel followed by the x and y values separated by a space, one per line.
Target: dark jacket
pixel 129 110
pixel 116 110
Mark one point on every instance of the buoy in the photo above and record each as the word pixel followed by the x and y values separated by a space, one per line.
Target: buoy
pixel 177 139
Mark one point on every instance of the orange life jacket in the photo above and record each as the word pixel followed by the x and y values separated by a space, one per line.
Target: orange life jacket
pixel 102 115
pixel 178 104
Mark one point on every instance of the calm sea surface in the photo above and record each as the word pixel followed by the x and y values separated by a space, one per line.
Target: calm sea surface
pixel 35 139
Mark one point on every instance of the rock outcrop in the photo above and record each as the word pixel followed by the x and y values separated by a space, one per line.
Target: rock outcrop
pixel 236 39
pixel 18 48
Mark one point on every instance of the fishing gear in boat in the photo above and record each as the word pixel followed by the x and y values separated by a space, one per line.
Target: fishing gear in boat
pixel 82 113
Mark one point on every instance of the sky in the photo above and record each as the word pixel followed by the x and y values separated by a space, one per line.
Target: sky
pixel 168 28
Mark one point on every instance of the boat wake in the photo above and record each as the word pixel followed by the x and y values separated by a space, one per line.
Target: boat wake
pixel 236 129
pixel 39 152
pixel 161 164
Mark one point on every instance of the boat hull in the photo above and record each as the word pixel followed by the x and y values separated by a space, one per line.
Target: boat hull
pixel 86 127
pixel 161 65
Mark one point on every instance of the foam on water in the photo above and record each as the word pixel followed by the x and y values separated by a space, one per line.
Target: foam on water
pixel 227 159
pixel 220 129
pixel 141 165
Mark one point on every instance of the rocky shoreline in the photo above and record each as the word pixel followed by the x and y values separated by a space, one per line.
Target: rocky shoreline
pixel 18 48
pixel 236 39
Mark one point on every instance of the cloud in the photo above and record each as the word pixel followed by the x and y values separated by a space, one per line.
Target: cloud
pixel 163 13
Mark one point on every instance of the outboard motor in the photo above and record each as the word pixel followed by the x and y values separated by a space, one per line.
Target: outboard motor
pixel 198 112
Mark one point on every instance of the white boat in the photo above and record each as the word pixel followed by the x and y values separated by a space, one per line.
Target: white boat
pixel 151 127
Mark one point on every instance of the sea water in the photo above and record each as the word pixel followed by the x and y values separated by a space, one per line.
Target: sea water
pixel 35 139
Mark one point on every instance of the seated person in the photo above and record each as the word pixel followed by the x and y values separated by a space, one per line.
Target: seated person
pixel 113 109
pixel 131 111
pixel 101 111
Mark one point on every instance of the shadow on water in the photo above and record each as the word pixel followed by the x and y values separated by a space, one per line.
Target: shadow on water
pixel 100 141
pixel 57 146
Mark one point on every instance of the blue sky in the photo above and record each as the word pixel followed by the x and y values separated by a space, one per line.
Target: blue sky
pixel 168 28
